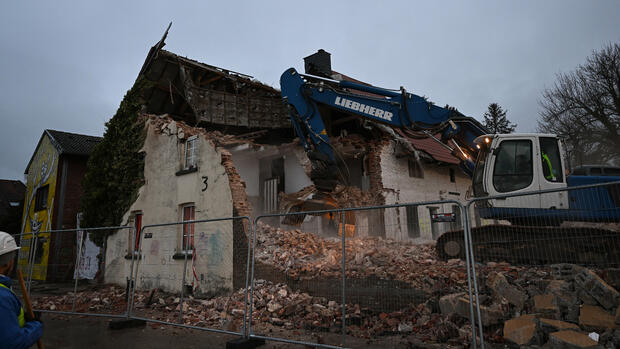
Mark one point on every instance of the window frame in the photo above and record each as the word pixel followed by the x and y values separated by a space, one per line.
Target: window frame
pixel 190 160
pixel 413 222
pixel 186 226
pixel 559 176
pixel 40 204
pixel 137 224
pixel 497 153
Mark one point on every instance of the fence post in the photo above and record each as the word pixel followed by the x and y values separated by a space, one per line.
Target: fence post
pixel 252 278
pixel 134 283
pixel 33 254
pixel 183 283
pixel 247 279
pixel 132 242
pixel 344 276
pixel 79 239
pixel 470 256
pixel 472 319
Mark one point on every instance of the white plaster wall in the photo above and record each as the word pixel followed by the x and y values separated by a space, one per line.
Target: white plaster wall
pixel 159 200
pixel 246 164
pixel 402 189
pixel 295 177
pixel 248 161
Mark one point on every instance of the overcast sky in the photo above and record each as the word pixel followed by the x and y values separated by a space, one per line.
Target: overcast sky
pixel 66 65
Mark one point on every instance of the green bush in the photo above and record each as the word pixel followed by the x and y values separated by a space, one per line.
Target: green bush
pixel 115 170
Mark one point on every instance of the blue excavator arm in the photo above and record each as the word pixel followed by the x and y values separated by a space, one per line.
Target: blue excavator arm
pixel 304 93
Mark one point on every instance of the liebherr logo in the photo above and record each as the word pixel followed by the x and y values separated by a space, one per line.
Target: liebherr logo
pixel 362 108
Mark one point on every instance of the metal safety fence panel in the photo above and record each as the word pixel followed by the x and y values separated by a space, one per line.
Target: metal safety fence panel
pixel 64 272
pixel 376 265
pixel 543 257
pixel 193 274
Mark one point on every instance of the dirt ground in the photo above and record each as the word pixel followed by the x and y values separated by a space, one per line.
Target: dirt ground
pixel 61 331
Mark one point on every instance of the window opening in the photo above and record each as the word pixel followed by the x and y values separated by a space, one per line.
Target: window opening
pixel 478 180
pixel 413 222
pixel 188 228
pixel 452 176
pixel 190 153
pixel 40 201
pixel 551 160
pixel 513 166
pixel 137 223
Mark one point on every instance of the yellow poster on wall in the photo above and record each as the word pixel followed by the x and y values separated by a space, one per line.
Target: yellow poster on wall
pixel 38 209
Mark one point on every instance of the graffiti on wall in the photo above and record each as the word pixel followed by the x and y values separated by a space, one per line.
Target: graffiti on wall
pixel 37 218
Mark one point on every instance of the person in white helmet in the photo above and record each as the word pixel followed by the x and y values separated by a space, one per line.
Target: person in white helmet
pixel 15 331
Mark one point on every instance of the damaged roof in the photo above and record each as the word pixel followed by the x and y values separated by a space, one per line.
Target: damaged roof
pixel 429 146
pixel 196 93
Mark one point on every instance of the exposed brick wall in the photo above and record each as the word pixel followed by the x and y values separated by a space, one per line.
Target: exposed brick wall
pixel 375 147
pixel 62 245
pixel 237 186
pixel 73 189
pixel 241 207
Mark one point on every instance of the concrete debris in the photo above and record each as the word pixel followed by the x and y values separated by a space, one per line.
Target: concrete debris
pixel 549 325
pixel 596 287
pixel 274 305
pixel 593 317
pixel 307 256
pixel 521 330
pixel 525 306
pixel 571 340
pixel 502 288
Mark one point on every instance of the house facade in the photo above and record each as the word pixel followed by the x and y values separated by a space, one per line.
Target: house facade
pixel 53 191
pixel 220 144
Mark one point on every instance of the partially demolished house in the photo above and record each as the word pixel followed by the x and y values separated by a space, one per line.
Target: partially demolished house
pixel 220 144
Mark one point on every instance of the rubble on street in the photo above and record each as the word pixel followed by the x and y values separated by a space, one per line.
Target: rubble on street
pixel 521 306
pixel 302 255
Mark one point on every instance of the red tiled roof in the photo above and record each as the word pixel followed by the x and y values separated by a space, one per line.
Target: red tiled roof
pixel 431 147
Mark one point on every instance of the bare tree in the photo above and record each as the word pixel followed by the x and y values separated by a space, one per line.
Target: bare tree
pixel 583 107
pixel 495 120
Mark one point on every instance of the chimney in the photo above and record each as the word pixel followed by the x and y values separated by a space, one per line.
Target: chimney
pixel 319 64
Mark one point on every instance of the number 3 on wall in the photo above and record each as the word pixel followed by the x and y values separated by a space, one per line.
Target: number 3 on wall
pixel 204 180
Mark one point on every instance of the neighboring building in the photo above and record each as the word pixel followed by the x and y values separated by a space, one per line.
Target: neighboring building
pixel 53 191
pixel 11 205
pixel 220 144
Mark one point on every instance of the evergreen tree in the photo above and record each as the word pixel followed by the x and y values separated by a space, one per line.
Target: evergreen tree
pixel 495 120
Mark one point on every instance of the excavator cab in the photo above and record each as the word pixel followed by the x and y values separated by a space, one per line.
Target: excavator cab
pixel 520 163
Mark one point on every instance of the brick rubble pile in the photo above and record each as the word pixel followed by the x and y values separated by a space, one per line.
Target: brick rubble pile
pixel 304 255
pixel 521 306
pixel 554 307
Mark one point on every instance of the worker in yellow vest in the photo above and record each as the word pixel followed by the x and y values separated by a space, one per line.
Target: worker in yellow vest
pixel 15 331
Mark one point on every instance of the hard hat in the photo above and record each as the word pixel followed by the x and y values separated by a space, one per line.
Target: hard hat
pixel 7 243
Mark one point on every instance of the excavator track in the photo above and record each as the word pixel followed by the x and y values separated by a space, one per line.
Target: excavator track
pixel 535 245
